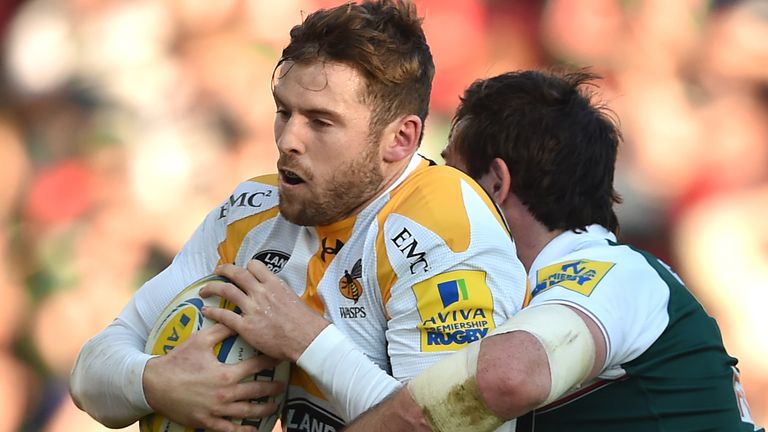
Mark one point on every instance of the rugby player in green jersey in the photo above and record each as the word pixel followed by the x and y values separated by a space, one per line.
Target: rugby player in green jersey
pixel 612 339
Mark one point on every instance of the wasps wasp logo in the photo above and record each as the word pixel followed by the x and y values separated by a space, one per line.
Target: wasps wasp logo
pixel 349 284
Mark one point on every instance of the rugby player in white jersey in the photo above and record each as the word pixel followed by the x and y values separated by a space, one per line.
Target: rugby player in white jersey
pixel 408 260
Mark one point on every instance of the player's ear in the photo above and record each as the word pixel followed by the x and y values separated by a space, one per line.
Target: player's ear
pixel 401 138
pixel 499 181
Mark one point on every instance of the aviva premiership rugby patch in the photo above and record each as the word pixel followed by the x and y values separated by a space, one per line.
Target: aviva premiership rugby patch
pixel 581 276
pixel 456 308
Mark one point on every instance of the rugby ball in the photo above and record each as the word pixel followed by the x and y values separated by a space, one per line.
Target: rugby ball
pixel 181 318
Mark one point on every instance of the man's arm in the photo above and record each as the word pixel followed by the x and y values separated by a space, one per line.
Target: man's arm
pixel 511 374
pixel 106 380
pixel 503 390
pixel 277 322
pixel 115 382
pixel 212 391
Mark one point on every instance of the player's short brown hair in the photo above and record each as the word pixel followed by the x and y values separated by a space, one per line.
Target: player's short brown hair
pixel 381 39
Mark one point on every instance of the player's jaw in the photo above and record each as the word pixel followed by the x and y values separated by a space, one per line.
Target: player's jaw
pixel 295 182
pixel 315 199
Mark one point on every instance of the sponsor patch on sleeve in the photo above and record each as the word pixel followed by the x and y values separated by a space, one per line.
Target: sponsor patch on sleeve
pixel 581 276
pixel 456 308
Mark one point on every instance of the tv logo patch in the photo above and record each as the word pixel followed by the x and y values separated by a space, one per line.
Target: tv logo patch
pixel 456 308
pixel 581 276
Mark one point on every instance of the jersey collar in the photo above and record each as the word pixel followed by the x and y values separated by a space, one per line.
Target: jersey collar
pixel 568 242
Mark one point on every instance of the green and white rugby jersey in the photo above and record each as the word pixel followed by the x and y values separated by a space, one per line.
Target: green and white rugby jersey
pixel 666 368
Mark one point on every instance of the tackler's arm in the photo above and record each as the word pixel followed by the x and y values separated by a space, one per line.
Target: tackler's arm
pixel 530 361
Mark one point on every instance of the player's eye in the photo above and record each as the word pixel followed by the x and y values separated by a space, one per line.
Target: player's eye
pixel 320 123
pixel 282 113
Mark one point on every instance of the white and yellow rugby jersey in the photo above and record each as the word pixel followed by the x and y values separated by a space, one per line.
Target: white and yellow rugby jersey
pixel 425 269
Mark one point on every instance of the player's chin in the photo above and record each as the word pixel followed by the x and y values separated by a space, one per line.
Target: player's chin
pixel 295 195
pixel 295 211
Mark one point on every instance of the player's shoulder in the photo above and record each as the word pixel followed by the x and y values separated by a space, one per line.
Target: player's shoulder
pixel 600 265
pixel 257 195
pixel 625 260
pixel 263 179
pixel 429 174
pixel 441 191
pixel 445 202
pixel 640 266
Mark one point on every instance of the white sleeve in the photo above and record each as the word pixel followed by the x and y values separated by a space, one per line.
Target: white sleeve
pixel 628 302
pixel 106 380
pixel 350 380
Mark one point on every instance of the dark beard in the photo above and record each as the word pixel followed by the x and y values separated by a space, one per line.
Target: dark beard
pixel 350 186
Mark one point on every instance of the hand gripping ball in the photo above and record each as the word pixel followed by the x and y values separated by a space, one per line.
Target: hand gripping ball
pixel 183 317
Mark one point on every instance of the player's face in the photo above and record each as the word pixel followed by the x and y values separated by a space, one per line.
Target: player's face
pixel 328 167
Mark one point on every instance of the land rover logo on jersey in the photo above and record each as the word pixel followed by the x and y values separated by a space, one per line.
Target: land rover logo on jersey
pixel 274 260
pixel 581 276
pixel 349 284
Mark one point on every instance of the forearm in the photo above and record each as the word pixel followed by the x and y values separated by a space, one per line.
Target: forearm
pixel 346 375
pixel 398 413
pixel 556 349
pixel 450 385
pixel 106 380
pixel 430 399
pixel 532 360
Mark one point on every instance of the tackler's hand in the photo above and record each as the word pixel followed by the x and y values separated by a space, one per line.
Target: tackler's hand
pixel 272 318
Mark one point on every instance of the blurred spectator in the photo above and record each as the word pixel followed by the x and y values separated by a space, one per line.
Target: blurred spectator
pixel 115 115
pixel 720 228
pixel 15 377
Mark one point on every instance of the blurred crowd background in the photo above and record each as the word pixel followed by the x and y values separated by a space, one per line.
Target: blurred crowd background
pixel 122 122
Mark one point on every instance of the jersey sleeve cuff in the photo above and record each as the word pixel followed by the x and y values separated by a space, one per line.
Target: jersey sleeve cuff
pixel 322 349
pixel 349 379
